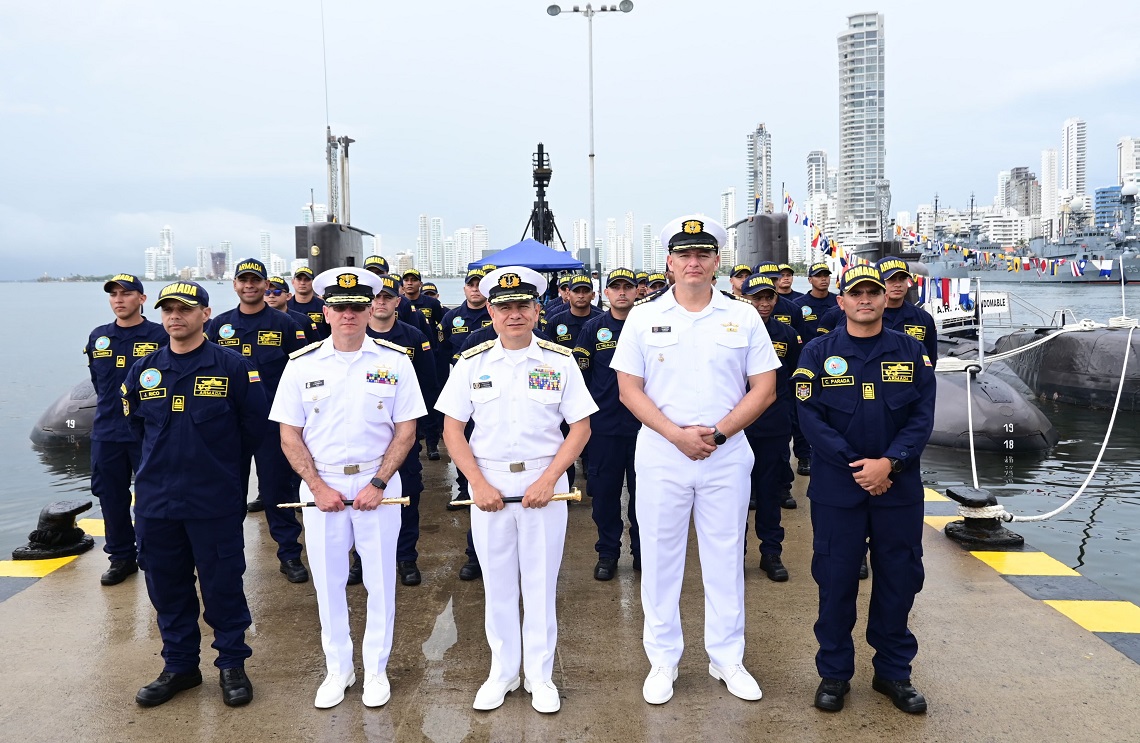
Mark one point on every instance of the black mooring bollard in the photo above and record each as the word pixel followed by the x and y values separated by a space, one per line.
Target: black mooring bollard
pixel 979 532
pixel 56 534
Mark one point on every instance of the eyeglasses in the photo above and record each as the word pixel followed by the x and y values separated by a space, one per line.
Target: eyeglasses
pixel 350 307
pixel 274 292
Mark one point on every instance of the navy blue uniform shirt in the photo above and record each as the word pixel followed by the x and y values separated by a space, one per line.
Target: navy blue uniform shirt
pixel 423 314
pixel 564 327
pixel 864 398
pixel 789 314
pixel 813 309
pixel 306 324
pixel 312 308
pixel 457 325
pixel 776 420
pixel 595 350
pixel 909 318
pixel 418 350
pixel 111 350
pixel 199 416
pixel 266 338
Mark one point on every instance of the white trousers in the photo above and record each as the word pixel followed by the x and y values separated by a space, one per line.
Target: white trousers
pixel 670 487
pixel 328 538
pixel 520 546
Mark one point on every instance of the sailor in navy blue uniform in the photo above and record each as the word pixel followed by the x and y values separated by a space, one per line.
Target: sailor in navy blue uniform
pixel 814 305
pixel 786 312
pixel 384 324
pixel 110 349
pixel 768 435
pixel 378 265
pixel 266 337
pixel 613 437
pixel 902 315
pixel 561 302
pixel 784 283
pixel 564 326
pixel 642 284
pixel 866 401
pixel 277 296
pixel 740 273
pixel 657 282
pixel 199 411
pixel 423 312
pixel 305 302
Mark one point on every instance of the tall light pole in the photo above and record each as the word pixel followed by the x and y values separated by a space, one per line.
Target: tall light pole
pixel 589 11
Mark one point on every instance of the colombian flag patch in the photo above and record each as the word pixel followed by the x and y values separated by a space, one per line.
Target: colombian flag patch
pixel 254 377
pixel 426 346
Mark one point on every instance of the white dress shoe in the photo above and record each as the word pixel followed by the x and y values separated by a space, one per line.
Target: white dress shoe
pixel 492 693
pixel 377 690
pixel 543 696
pixel 738 680
pixel 658 686
pixel 332 689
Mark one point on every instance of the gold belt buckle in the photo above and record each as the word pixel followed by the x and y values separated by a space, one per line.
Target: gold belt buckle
pixel 351 469
pixel 518 466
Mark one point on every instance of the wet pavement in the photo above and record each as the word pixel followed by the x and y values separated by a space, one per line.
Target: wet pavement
pixel 995 664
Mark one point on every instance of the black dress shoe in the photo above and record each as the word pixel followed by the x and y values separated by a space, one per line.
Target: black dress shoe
pixel 786 500
pixel 163 688
pixel 471 571
pixel 606 569
pixel 637 563
pixel 236 688
pixel 829 695
pixel 864 569
pixel 409 573
pixel 904 696
pixel 355 571
pixel 774 567
pixel 803 467
pixel 255 505
pixel 433 452
pixel 295 571
pixel 118 572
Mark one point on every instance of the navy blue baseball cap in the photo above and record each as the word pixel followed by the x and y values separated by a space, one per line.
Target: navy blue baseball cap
pixel 892 265
pixel 127 281
pixel 582 279
pixel 818 269
pixel 771 270
pixel 858 275
pixel 253 266
pixel 388 286
pixel 188 293
pixel 429 288
pixel 757 284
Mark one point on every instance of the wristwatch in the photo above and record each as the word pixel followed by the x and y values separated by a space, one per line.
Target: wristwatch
pixel 896 464
pixel 379 484
pixel 718 437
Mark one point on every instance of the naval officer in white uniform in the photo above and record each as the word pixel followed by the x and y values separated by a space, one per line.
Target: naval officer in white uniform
pixel 695 366
pixel 517 389
pixel 348 408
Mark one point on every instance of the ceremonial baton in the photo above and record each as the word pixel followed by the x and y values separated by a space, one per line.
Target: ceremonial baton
pixel 383 502
pixel 574 494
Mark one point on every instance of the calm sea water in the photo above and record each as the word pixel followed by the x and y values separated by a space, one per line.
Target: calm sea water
pixel 1099 535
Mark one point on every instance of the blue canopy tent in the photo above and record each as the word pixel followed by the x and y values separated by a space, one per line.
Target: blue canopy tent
pixel 531 254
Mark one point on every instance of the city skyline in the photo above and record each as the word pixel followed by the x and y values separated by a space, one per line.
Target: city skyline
pixel 224 162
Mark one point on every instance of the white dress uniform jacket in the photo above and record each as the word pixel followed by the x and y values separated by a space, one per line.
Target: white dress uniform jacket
pixel 348 405
pixel 518 400
pixel 695 366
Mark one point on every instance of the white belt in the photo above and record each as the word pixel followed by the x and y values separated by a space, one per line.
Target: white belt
pixel 348 469
pixel 530 464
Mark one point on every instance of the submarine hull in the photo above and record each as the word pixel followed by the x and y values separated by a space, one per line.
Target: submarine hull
pixel 67 422
pixel 1003 419
pixel 1079 368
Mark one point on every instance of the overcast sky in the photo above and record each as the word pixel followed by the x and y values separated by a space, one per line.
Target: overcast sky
pixel 120 116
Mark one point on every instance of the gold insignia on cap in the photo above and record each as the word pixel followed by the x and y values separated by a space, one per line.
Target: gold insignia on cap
pixel 509 280
pixel 693 226
pixel 346 280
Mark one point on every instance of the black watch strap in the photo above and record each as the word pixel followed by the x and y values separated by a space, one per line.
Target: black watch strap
pixel 379 484
pixel 718 436
pixel 896 464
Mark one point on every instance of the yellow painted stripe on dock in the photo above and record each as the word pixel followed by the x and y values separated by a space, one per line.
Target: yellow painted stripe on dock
pixel 933 495
pixel 32 568
pixel 940 522
pixel 1101 616
pixel 94 527
pixel 1024 563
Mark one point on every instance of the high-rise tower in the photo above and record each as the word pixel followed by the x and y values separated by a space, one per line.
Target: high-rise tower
pixel 759 170
pixel 862 120
pixel 1074 157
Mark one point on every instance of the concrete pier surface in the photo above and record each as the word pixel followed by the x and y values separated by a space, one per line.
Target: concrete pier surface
pixel 995 663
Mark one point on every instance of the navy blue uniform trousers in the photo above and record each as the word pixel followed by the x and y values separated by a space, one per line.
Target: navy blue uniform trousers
pixel 170 552
pixel 412 483
pixel 112 464
pixel 768 486
pixel 275 484
pixel 840 539
pixel 611 464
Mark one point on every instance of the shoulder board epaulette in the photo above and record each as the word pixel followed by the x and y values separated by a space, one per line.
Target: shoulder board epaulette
pixel 476 350
pixel 302 351
pixel 391 345
pixel 650 297
pixel 551 346
pixel 730 295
